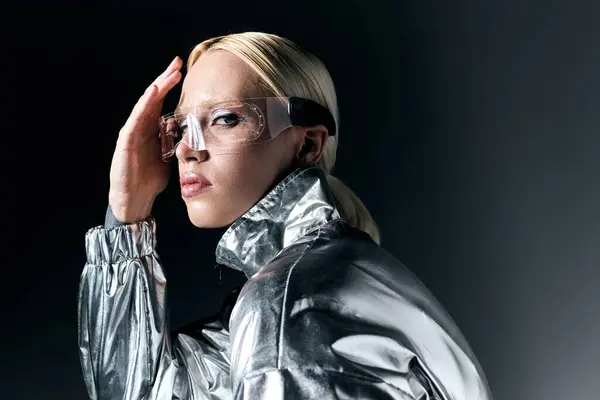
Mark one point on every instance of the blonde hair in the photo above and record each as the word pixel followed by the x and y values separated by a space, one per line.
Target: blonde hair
pixel 287 70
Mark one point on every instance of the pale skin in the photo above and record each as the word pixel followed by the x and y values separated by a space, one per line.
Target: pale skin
pixel 138 174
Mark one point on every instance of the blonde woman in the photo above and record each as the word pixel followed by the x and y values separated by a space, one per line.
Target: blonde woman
pixel 326 313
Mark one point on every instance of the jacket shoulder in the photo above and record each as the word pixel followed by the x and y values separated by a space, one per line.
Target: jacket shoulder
pixel 345 273
pixel 335 292
pixel 342 265
pixel 334 265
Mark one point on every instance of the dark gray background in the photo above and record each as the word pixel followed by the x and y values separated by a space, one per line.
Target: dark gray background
pixel 471 130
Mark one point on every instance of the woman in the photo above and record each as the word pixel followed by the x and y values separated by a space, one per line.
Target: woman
pixel 325 314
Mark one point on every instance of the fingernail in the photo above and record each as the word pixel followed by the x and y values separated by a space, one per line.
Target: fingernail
pixel 149 89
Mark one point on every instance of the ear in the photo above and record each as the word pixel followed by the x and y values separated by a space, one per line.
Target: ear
pixel 313 147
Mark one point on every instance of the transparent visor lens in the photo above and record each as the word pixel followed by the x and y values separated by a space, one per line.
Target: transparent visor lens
pixel 225 127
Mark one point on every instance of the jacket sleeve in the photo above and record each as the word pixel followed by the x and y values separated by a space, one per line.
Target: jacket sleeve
pixel 124 343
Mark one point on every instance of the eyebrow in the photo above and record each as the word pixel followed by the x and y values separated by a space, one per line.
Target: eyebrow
pixel 208 102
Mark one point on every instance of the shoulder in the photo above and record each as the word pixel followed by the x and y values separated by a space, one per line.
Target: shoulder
pixel 327 296
pixel 347 275
pixel 335 267
pixel 338 264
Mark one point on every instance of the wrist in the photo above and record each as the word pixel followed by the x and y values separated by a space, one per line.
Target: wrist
pixel 130 215
pixel 110 221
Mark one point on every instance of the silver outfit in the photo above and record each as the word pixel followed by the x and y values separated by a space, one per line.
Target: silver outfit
pixel 325 314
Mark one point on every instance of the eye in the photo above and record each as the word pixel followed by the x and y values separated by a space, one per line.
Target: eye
pixel 228 119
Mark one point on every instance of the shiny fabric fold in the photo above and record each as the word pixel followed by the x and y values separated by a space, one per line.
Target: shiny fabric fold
pixel 124 341
pixel 296 206
pixel 325 314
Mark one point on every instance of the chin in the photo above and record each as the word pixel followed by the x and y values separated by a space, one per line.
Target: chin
pixel 209 217
pixel 207 223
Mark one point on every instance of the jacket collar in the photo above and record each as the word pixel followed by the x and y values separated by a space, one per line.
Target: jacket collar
pixel 300 203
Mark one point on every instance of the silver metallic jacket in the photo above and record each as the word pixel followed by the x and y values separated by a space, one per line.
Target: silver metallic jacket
pixel 325 314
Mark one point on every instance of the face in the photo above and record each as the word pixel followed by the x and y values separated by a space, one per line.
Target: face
pixel 227 185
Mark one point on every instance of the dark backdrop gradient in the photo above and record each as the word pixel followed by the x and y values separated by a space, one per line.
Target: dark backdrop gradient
pixel 471 129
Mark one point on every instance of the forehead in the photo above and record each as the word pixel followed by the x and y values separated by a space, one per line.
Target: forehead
pixel 219 75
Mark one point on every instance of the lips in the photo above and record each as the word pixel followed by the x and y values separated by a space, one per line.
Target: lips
pixel 193 184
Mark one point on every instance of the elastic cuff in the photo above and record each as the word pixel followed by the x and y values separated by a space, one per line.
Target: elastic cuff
pixel 121 243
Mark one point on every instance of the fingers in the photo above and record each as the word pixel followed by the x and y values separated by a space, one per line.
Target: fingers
pixel 149 103
pixel 168 83
pixel 140 109
pixel 174 66
pixel 168 79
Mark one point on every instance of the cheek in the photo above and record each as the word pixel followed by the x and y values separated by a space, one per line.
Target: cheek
pixel 239 181
pixel 266 160
pixel 253 172
pixel 243 171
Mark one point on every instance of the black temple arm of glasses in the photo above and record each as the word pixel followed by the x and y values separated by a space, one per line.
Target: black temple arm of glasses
pixel 305 112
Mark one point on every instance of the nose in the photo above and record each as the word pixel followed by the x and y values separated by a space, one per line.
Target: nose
pixel 185 154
